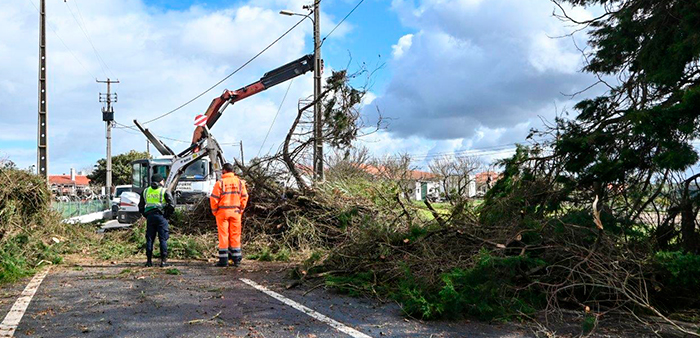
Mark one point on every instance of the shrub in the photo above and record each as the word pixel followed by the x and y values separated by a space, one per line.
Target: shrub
pixel 486 291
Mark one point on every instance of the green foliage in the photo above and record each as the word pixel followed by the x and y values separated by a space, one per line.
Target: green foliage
pixel 27 224
pixel 113 247
pixel 682 269
pixel 186 247
pixel 173 271
pixel 523 195
pixel 589 323
pixel 121 168
pixel 486 291
pixel 267 255
pixel 12 267
pixel 340 113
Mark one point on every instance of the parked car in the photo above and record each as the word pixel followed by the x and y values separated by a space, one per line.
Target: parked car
pixel 118 191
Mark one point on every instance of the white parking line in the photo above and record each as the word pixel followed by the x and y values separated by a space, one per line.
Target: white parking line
pixel 9 325
pixel 335 324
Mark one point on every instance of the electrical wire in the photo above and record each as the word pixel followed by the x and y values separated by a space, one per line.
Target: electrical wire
pixel 229 75
pixel 275 118
pixel 461 153
pixel 64 43
pixel 339 23
pixel 100 60
pixel 466 152
pixel 124 127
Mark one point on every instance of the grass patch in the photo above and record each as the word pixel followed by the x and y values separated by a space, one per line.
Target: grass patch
pixel 173 271
pixel 266 255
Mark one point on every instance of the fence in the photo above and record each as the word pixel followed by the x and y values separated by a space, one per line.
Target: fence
pixel 79 208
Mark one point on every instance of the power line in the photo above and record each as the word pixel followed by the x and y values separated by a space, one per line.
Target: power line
pixel 467 151
pixel 64 44
pixel 341 21
pixel 97 54
pixel 228 76
pixel 462 153
pixel 125 127
pixel 275 118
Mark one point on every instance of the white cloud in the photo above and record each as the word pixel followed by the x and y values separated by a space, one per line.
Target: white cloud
pixel 478 64
pixel 162 58
pixel 402 45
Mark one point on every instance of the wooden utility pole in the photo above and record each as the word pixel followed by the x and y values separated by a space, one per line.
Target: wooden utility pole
pixel 108 117
pixel 42 151
pixel 318 115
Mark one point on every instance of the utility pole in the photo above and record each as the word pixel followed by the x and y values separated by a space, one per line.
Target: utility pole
pixel 108 117
pixel 242 158
pixel 318 115
pixel 42 144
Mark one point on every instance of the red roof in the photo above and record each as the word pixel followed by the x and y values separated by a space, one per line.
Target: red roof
pixel 412 174
pixel 80 180
pixel 482 178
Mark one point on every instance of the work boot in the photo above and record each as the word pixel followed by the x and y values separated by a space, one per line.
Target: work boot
pixel 164 262
pixel 149 260
pixel 236 261
pixel 223 262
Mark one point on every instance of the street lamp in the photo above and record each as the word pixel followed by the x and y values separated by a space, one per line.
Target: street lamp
pixel 290 13
pixel 318 130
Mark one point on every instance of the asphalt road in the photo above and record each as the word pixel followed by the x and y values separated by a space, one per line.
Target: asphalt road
pixel 128 300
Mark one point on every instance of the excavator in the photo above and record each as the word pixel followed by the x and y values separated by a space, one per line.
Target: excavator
pixel 192 173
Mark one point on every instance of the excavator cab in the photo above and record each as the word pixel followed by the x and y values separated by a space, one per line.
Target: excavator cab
pixel 192 173
pixel 195 182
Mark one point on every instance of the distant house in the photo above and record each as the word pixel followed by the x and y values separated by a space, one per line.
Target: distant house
pixel 418 185
pixel 485 181
pixel 69 185
pixel 422 185
pixel 452 184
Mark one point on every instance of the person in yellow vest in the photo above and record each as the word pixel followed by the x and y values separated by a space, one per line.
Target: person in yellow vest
pixel 228 200
pixel 156 205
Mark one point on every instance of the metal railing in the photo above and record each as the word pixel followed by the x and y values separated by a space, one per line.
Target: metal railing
pixel 79 208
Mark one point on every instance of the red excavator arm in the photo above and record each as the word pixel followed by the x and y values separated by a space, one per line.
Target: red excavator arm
pixel 271 78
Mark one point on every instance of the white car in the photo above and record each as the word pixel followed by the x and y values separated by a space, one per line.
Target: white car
pixel 118 191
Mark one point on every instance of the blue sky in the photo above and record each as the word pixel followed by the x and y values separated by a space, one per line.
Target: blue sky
pixel 375 28
pixel 458 74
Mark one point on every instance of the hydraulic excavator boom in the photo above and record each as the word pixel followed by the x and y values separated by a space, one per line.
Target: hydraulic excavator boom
pixel 271 78
pixel 204 148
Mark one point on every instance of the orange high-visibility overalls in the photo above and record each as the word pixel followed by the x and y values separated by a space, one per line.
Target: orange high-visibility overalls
pixel 228 200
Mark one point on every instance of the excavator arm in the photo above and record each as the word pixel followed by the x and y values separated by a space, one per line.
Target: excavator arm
pixel 270 79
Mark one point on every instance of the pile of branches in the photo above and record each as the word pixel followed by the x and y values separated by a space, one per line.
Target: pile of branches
pixel 22 197
pixel 521 260
pixel 552 267
pixel 196 219
pixel 29 229
pixel 276 217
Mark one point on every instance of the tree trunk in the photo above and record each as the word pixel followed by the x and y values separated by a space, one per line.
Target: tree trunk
pixel 665 231
pixel 690 240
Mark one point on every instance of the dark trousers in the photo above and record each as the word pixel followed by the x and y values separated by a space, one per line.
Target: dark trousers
pixel 156 223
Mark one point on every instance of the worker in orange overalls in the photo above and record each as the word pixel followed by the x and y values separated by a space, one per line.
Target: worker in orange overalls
pixel 228 200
